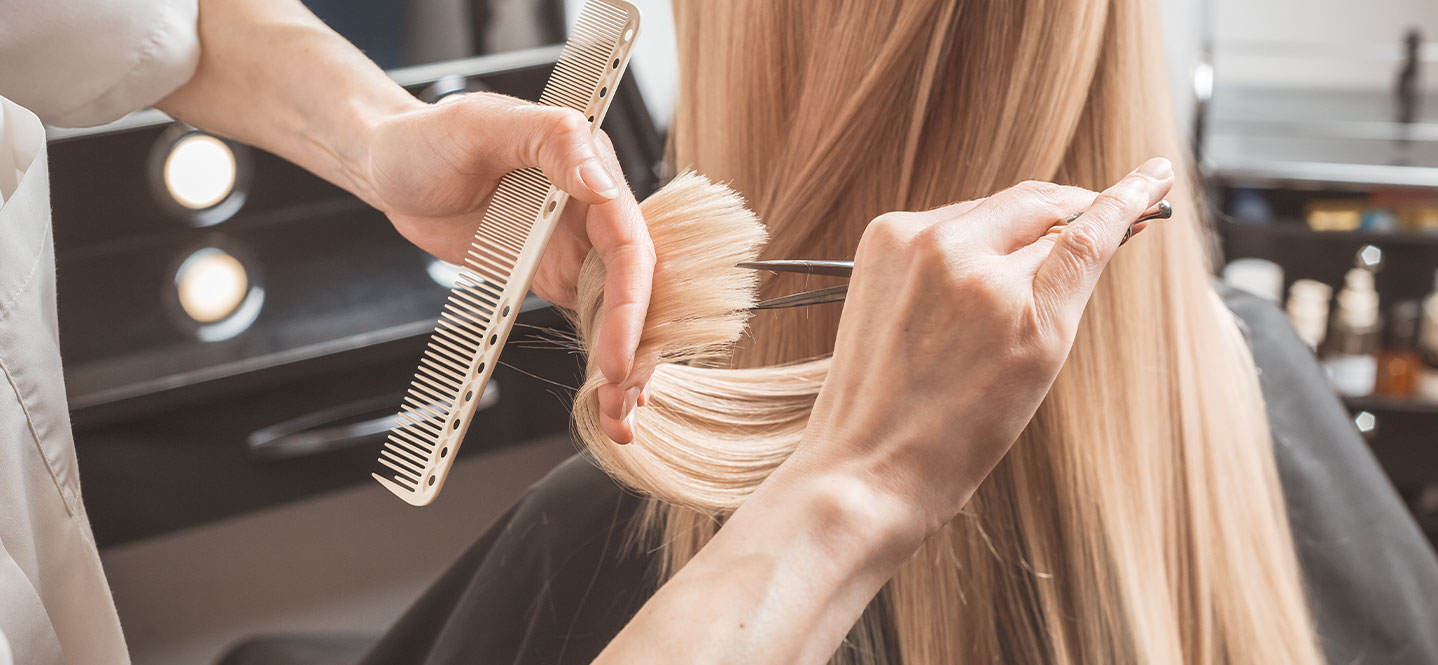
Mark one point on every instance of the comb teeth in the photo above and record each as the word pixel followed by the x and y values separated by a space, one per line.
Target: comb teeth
pixel 477 317
pixel 586 56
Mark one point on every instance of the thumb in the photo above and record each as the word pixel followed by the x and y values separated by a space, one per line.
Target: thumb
pixel 560 141
pixel 1082 250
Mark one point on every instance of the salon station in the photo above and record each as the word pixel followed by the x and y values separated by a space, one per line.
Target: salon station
pixel 562 331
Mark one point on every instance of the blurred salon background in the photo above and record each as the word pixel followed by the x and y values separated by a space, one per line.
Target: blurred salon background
pixel 238 332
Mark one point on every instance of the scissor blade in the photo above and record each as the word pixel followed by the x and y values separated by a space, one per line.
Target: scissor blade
pixel 829 268
pixel 815 297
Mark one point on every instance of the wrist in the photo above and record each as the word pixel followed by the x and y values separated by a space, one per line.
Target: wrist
pixel 881 528
pixel 350 142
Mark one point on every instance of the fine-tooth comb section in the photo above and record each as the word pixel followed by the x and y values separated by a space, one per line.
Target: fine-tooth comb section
pixel 475 322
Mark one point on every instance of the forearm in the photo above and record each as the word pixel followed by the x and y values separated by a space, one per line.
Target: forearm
pixel 783 580
pixel 273 75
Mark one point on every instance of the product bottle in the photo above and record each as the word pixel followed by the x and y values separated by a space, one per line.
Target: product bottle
pixel 1352 350
pixel 1398 364
pixel 1260 277
pixel 1344 215
pixel 1428 346
pixel 1308 310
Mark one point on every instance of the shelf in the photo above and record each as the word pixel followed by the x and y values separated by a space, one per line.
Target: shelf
pixel 1292 228
pixel 1334 138
pixel 1380 405
pixel 1244 170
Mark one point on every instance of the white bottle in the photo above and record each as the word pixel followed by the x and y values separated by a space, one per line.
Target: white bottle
pixel 1428 346
pixel 1260 277
pixel 1308 310
pixel 1352 348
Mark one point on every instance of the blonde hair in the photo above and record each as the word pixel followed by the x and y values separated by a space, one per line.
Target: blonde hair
pixel 1138 519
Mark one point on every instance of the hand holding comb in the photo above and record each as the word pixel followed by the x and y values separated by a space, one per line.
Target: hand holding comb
pixel 476 320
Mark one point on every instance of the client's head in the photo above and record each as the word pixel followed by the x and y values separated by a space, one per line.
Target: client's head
pixel 1138 518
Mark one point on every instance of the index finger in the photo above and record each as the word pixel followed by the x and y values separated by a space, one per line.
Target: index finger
pixel 1015 217
pixel 620 238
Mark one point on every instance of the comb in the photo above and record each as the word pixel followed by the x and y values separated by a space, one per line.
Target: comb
pixel 495 277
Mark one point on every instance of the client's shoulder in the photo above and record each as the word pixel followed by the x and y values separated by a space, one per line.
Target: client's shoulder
pixel 566 556
pixel 574 503
pixel 1287 368
pixel 550 583
pixel 1344 512
pixel 1304 414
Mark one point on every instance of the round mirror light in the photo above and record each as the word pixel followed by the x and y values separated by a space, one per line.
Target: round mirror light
pixel 199 178
pixel 443 273
pixel 200 171
pixel 211 285
pixel 217 295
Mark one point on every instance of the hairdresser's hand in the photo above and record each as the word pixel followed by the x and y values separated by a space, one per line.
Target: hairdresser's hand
pixel 433 168
pixel 956 324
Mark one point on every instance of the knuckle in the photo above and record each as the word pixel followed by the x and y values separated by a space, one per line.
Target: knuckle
pixel 632 250
pixel 931 240
pixel 1109 208
pixel 1046 193
pixel 967 280
pixel 886 232
pixel 562 140
pixel 934 248
pixel 1085 243
pixel 1131 194
pixel 564 126
pixel 569 121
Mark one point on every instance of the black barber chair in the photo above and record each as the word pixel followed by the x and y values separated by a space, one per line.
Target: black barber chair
pixel 299 650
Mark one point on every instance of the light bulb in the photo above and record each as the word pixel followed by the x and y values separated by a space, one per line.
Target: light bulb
pixel 200 171
pixel 443 273
pixel 211 285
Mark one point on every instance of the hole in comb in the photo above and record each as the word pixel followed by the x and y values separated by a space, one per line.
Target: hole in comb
pixel 479 370
pixel 615 64
pixel 505 311
pixel 591 118
pixel 493 338
pixel 431 481
pixel 603 90
pixel 552 204
pixel 455 424
pixel 443 452
pixel 469 395
pixel 628 34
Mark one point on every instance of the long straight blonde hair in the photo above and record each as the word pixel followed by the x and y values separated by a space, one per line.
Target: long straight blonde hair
pixel 1138 519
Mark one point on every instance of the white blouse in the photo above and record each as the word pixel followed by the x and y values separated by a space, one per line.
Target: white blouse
pixel 77 63
pixel 72 63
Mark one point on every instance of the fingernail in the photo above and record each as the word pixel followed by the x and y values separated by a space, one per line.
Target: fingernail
pixel 597 179
pixel 631 399
pixel 1157 168
pixel 644 396
pixel 630 423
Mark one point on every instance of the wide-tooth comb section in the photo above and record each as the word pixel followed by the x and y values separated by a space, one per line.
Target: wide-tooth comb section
pixel 480 311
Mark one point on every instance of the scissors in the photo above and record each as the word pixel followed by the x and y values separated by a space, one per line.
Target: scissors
pixel 846 268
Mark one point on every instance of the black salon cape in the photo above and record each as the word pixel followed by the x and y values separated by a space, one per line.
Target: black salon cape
pixel 548 584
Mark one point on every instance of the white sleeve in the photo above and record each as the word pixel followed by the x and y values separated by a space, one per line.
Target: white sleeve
pixel 85 62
